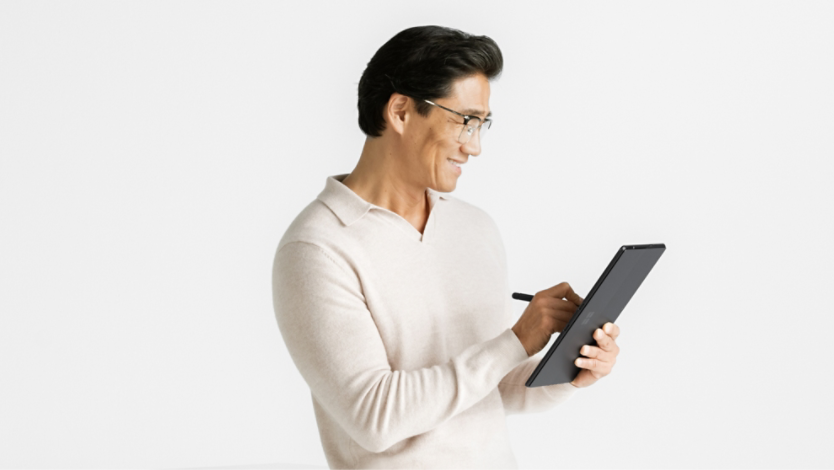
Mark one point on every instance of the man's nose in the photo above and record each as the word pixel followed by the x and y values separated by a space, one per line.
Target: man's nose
pixel 473 147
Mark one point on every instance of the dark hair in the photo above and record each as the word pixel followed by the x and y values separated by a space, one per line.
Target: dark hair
pixel 422 62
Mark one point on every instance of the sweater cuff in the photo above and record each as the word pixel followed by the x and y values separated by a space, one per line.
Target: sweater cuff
pixel 517 351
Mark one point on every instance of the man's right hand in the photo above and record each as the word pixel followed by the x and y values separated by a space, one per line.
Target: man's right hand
pixel 546 314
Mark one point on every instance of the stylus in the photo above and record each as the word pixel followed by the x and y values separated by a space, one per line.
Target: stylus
pixel 524 297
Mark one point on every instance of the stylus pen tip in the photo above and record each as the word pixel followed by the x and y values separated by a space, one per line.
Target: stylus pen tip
pixel 524 297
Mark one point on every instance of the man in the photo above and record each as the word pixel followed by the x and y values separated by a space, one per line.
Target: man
pixel 393 298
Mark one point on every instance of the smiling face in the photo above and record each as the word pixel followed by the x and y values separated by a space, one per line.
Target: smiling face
pixel 431 141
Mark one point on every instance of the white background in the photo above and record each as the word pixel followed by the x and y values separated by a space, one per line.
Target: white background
pixel 153 154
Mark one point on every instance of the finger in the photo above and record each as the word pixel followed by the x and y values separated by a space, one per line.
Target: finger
pixel 560 318
pixel 611 330
pixel 565 305
pixel 604 341
pixel 558 304
pixel 558 309
pixel 598 367
pixel 563 290
pixel 559 326
pixel 595 353
pixel 573 297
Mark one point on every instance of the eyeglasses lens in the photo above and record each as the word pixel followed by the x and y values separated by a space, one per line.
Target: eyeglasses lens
pixel 471 128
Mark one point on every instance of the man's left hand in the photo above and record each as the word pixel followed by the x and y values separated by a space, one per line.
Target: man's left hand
pixel 599 360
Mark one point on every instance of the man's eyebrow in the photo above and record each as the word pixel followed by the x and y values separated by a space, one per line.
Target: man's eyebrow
pixel 475 112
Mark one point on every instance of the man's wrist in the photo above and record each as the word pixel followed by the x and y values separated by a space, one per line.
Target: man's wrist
pixel 521 341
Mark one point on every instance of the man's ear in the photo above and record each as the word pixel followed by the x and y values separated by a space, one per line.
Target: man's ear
pixel 396 112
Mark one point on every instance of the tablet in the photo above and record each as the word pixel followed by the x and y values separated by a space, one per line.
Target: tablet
pixel 603 304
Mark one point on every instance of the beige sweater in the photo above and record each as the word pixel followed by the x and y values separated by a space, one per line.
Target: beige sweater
pixel 404 338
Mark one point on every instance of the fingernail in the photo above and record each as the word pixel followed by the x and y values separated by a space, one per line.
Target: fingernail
pixel 608 328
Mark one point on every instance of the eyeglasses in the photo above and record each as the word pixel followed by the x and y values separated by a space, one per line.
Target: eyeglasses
pixel 470 124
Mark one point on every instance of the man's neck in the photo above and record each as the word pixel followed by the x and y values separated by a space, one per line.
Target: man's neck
pixel 375 180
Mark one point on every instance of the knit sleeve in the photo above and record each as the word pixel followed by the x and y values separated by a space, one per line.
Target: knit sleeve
pixel 517 397
pixel 335 345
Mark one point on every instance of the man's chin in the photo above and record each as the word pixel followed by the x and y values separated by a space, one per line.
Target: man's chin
pixel 447 184
pixel 448 187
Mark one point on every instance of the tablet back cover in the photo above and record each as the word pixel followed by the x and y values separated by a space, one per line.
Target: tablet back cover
pixel 604 304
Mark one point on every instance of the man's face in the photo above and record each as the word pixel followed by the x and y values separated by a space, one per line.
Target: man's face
pixel 435 138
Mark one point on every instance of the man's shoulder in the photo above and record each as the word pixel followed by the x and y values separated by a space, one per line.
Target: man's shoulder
pixel 315 224
pixel 469 212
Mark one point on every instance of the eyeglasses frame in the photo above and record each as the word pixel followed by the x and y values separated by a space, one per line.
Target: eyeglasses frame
pixel 466 120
